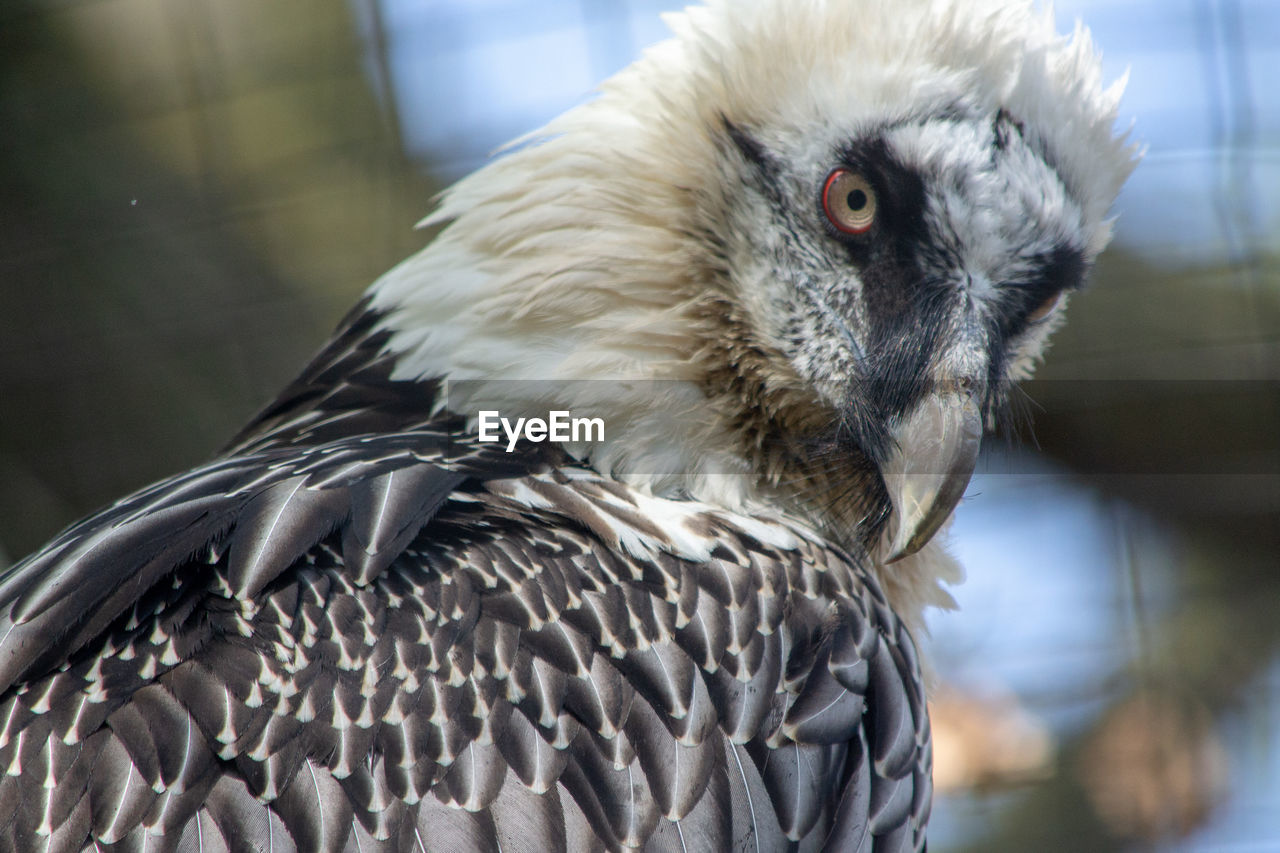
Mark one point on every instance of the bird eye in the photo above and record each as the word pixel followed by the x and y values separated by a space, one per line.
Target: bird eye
pixel 1044 308
pixel 849 202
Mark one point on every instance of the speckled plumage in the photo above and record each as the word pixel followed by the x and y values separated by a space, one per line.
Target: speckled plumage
pixel 426 650
pixel 358 628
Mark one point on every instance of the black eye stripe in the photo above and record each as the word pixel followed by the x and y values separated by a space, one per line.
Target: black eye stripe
pixel 899 197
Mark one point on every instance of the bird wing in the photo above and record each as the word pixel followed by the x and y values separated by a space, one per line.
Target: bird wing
pixel 394 642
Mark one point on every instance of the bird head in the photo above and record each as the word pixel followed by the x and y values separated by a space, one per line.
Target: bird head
pixel 795 256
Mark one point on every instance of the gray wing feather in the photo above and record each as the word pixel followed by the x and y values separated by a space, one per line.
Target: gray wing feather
pixel 387 512
pixel 709 824
pixel 678 774
pixel 362 647
pixel 315 810
pixel 277 526
pixel 754 822
pixel 850 828
pixel 529 822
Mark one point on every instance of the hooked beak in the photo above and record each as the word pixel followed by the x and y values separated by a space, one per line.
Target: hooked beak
pixel 937 449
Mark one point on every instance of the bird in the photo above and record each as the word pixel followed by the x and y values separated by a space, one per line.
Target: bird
pixel 785 270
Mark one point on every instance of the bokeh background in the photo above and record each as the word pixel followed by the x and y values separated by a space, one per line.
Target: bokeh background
pixel 192 192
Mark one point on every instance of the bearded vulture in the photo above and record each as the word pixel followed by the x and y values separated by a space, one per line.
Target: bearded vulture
pixel 791 260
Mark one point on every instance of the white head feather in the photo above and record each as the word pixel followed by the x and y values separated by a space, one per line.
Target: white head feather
pixel 577 254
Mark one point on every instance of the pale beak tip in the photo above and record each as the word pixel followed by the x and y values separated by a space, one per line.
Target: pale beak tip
pixel 938 447
pixel 898 554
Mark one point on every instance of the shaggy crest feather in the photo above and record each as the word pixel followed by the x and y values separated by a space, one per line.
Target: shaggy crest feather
pixel 582 252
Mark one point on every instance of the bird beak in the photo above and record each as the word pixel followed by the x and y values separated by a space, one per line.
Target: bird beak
pixel 937 449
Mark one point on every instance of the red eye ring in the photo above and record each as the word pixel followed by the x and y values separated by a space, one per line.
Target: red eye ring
pixel 849 201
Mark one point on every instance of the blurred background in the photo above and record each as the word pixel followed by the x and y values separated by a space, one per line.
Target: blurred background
pixel 192 192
